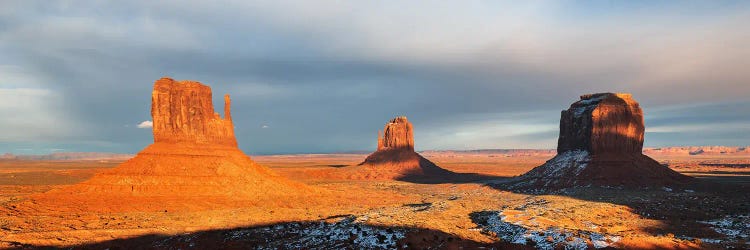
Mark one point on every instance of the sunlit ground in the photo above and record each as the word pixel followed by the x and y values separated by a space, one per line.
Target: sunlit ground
pixel 444 213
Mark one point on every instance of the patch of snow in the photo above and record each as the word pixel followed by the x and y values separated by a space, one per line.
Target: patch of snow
pixel 573 161
pixel 345 233
pixel 711 241
pixel 587 104
pixel 592 100
pixel 549 238
pixel 666 189
pixel 364 236
pixel 734 227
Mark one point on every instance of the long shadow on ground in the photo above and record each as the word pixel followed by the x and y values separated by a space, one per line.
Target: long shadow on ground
pixel 682 209
pixel 339 232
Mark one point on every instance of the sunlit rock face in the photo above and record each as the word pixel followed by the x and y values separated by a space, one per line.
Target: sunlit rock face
pixel 183 111
pixel 602 123
pixel 600 143
pixel 194 156
pixel 397 134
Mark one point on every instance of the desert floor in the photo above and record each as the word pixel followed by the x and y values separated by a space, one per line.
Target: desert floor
pixel 712 213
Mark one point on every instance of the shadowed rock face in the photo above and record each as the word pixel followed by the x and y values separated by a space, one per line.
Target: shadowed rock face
pixel 398 133
pixel 602 123
pixel 600 143
pixel 396 158
pixel 183 111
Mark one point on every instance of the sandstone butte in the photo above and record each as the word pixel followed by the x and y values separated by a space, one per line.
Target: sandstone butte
pixel 194 156
pixel 395 158
pixel 600 143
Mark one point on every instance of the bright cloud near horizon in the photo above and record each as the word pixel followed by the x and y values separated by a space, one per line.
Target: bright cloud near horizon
pixel 145 124
pixel 329 74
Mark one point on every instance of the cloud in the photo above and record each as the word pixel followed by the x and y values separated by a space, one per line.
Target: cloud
pixel 536 129
pixel 347 67
pixel 35 114
pixel 145 124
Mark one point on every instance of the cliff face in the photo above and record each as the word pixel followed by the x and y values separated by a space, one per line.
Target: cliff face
pixel 194 156
pixel 600 143
pixel 397 134
pixel 602 124
pixel 183 112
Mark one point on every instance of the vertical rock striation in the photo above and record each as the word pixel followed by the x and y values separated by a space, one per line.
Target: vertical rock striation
pixel 602 123
pixel 183 112
pixel 397 134
pixel 601 143
pixel 194 156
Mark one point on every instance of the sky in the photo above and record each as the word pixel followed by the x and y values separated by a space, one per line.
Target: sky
pixel 325 76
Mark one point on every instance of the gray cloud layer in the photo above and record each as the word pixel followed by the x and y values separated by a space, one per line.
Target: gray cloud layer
pixel 325 76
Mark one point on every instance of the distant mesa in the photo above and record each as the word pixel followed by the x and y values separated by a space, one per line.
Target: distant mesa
pixel 194 156
pixel 395 158
pixel 698 150
pixel 600 143
pixel 69 156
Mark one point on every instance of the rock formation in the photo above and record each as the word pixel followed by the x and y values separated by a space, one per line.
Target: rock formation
pixel 397 134
pixel 600 143
pixel 184 112
pixel 396 159
pixel 194 156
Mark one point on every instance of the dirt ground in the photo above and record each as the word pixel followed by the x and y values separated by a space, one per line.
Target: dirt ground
pixel 711 213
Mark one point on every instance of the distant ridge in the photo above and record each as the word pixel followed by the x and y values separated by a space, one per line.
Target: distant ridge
pixel 698 150
pixel 68 156
pixel 673 150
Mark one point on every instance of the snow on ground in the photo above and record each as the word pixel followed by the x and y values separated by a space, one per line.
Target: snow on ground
pixel 734 227
pixel 563 164
pixel 549 238
pixel 577 159
pixel 344 232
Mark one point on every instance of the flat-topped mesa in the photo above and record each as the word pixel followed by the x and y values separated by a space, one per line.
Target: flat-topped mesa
pixel 183 112
pixel 600 143
pixel 603 123
pixel 397 134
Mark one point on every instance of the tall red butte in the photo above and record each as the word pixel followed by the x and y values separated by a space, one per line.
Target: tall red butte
pixel 396 159
pixel 194 156
pixel 600 143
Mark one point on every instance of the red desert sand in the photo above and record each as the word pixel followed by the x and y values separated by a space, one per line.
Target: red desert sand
pixel 194 157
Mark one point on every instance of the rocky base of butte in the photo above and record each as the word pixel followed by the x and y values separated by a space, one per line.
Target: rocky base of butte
pixel 194 155
pixel 395 158
pixel 600 143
